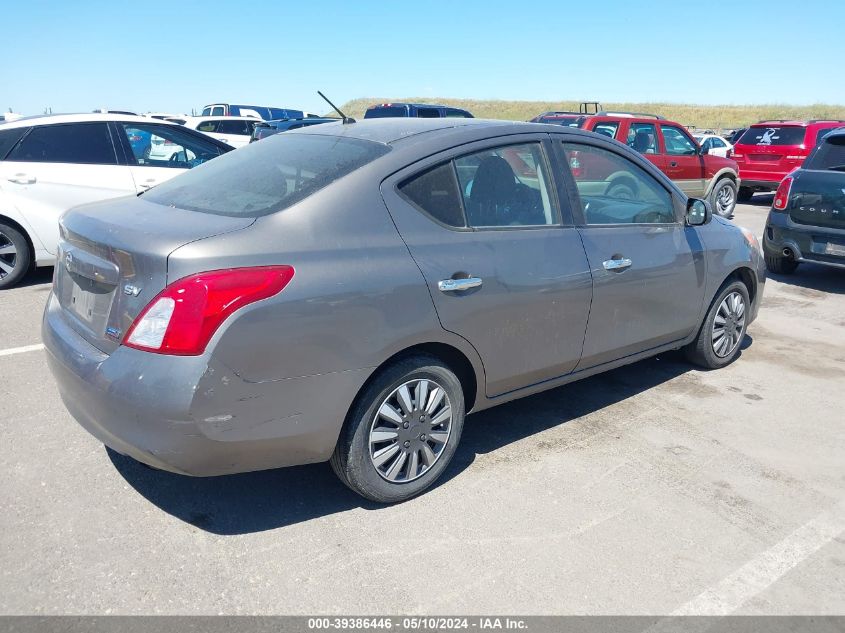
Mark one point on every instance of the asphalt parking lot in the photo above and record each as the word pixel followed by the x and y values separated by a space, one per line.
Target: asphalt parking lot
pixel 653 489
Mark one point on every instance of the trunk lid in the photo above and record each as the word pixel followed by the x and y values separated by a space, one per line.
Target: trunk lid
pixel 818 198
pixel 112 261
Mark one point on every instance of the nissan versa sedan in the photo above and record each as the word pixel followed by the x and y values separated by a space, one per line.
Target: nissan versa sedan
pixel 349 292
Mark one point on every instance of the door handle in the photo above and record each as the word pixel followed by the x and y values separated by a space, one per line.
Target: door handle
pixel 617 265
pixel 22 179
pixel 456 285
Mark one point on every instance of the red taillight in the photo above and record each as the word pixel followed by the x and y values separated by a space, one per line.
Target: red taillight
pixel 730 153
pixel 184 316
pixel 782 194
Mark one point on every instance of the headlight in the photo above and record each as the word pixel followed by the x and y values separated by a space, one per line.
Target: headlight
pixel 752 240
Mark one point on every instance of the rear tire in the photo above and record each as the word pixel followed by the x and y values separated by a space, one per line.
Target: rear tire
pixel 723 198
pixel 780 265
pixel 390 461
pixel 744 194
pixel 15 256
pixel 723 330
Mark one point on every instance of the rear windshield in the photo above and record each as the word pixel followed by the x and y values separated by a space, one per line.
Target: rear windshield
pixel 829 155
pixel 567 121
pixel 266 177
pixel 765 135
pixel 379 113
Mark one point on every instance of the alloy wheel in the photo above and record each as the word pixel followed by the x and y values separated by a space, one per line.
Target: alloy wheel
pixel 8 255
pixel 725 199
pixel 728 324
pixel 410 429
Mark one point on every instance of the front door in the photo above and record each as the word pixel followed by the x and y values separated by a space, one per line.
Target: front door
pixel 683 162
pixel 504 271
pixel 647 267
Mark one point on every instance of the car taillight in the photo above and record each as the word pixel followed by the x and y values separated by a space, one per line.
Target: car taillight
pixel 183 317
pixel 795 157
pixel 730 153
pixel 782 194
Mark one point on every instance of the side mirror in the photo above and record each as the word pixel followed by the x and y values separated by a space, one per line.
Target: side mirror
pixel 698 212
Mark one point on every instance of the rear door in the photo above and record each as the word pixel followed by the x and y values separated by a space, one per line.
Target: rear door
pixel 187 150
pixel 647 267
pixel 504 271
pixel 56 167
pixel 643 138
pixel 683 162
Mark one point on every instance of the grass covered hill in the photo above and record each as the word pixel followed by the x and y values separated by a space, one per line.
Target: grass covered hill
pixel 702 116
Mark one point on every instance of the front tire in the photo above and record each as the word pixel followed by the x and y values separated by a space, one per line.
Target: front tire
pixel 744 194
pixel 15 256
pixel 780 265
pixel 723 198
pixel 402 431
pixel 720 336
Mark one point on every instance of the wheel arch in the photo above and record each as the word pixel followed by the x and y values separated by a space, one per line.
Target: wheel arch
pixel 725 172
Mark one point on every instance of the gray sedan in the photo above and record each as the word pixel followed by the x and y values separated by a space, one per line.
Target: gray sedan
pixel 349 292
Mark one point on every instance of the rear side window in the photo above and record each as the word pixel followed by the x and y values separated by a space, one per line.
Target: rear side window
pixel 215 111
pixel 775 135
pixel 380 113
pixel 428 113
pixel 8 138
pixel 264 178
pixel 436 192
pixel 458 114
pixel 642 137
pixel 80 143
pixel 208 126
pixel 819 135
pixel 829 155
pixel 232 127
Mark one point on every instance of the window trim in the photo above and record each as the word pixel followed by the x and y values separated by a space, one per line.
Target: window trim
pixel 474 147
pixel 575 196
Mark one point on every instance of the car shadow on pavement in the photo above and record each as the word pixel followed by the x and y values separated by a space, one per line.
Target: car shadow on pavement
pixel 813 278
pixel 761 199
pixel 37 277
pixel 266 500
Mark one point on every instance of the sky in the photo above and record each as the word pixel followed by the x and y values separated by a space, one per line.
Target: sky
pixel 143 56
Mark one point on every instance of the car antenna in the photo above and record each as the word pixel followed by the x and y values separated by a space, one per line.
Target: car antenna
pixel 346 119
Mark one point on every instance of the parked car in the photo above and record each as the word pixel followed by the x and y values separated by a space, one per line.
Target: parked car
pixel 418 110
pixel 232 130
pixel 51 163
pixel 736 135
pixel 266 113
pixel 349 292
pixel 714 144
pixel 767 151
pixel 807 219
pixel 568 118
pixel 672 149
pixel 268 128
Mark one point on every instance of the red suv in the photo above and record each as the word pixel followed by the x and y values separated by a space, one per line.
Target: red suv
pixel 769 150
pixel 674 151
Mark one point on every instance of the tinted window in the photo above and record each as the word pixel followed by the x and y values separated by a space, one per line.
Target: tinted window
pixel 506 186
pixel 428 113
pixel 571 121
pixel 459 114
pixel 717 142
pixel 8 138
pixel 829 155
pixel 677 143
pixel 266 177
pixel 642 137
pixel 168 146
pixel 819 135
pixel 233 127
pixel 614 190
pixel 207 126
pixel 83 143
pixel 379 113
pixel 775 135
pixel 436 192
pixel 608 128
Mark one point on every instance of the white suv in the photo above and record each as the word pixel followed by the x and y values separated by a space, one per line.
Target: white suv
pixel 233 130
pixel 52 163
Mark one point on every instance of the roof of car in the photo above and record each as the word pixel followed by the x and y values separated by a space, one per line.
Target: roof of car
pixel 85 117
pixel 794 122
pixel 407 103
pixel 391 130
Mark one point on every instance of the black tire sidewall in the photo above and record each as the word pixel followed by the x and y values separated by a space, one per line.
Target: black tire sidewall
pixel 24 256
pixel 715 193
pixel 352 460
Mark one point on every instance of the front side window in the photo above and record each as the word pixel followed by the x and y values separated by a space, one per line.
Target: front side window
pixel 168 146
pixel 642 137
pixel 264 178
pixel 677 143
pixel 435 191
pixel 717 143
pixel 80 143
pixel 614 190
pixel 506 186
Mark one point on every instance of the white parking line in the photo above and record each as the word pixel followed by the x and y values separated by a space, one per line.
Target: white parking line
pixel 21 350
pixel 764 570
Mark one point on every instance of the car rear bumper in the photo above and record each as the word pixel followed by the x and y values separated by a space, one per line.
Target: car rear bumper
pixel 191 415
pixel 759 183
pixel 806 243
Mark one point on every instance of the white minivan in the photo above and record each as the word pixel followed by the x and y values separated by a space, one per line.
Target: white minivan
pixel 49 164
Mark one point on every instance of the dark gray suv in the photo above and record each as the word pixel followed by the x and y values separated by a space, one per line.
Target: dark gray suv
pixel 350 291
